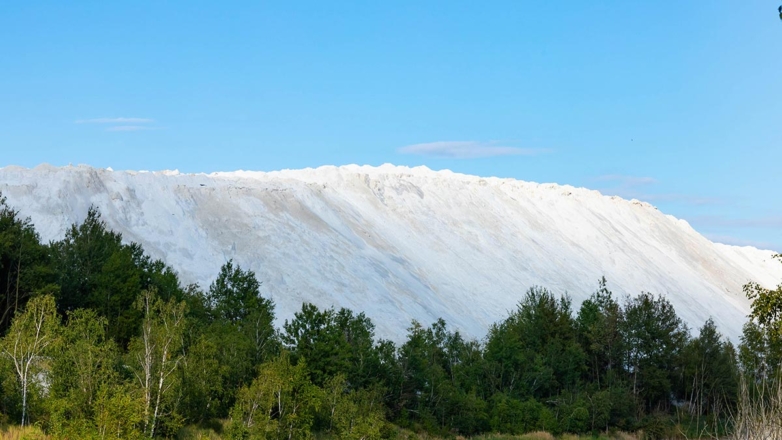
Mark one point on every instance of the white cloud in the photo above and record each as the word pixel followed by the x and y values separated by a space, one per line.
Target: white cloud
pixel 115 121
pixel 467 150
pixel 130 128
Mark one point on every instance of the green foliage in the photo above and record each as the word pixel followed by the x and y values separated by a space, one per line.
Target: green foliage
pixel 352 414
pixel 513 416
pixel 204 381
pixel 24 264
pixel 760 353
pixel 139 356
pixel 599 323
pixel 432 389
pixel 234 355
pixel 279 404
pixel 235 294
pixel 601 405
pixel 84 364
pixel 766 307
pixel 333 342
pixel 118 412
pixel 95 270
pixel 27 345
pixel 655 338
pixel 534 353
pixel 230 333
pixel 155 359
pixel 711 363
pixel 577 420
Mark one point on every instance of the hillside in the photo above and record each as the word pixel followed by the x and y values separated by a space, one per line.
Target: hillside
pixel 402 243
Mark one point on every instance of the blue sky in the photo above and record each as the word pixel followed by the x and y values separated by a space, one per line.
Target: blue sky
pixel 675 103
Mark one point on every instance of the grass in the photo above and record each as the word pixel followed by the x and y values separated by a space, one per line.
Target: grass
pixel 212 433
pixel 759 414
pixel 546 436
pixel 403 434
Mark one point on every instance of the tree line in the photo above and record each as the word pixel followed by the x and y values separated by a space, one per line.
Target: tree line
pixel 99 340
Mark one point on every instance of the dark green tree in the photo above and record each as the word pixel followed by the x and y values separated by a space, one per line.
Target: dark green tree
pixel 432 391
pixel 230 333
pixel 24 264
pixel 534 352
pixel 235 367
pixel 333 342
pixel 235 298
pixel 598 323
pixel 604 391
pixel 206 382
pixel 711 372
pixel 655 338
pixel 235 293
pixel 95 270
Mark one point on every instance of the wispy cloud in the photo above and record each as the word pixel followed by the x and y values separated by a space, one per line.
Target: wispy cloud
pixel 468 150
pixel 131 128
pixel 122 124
pixel 626 180
pixel 115 121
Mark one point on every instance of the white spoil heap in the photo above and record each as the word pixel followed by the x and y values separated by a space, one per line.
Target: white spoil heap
pixel 402 243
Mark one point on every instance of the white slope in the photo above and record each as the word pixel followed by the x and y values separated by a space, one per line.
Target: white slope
pixel 402 243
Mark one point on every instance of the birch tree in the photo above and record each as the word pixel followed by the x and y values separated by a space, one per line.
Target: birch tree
pixel 32 334
pixel 156 355
pixel 279 404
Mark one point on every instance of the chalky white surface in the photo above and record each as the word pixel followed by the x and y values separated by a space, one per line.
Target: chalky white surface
pixel 402 243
